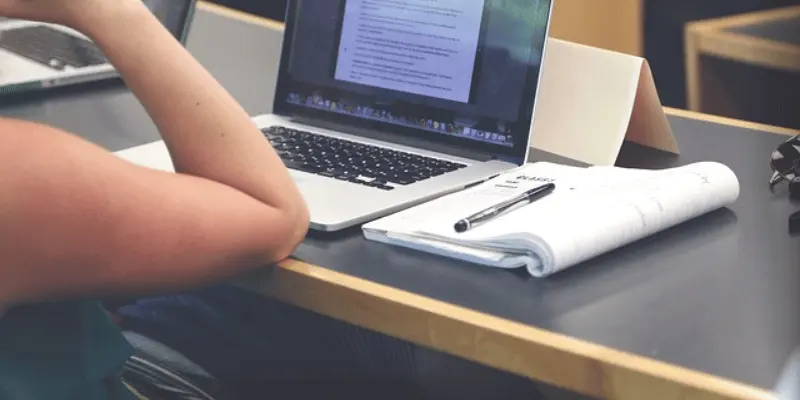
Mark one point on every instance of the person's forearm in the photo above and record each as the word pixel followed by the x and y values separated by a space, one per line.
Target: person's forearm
pixel 207 132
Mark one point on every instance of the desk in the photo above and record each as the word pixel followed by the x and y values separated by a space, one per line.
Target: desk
pixel 708 310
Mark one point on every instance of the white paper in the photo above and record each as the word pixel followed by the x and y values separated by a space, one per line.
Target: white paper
pixel 788 387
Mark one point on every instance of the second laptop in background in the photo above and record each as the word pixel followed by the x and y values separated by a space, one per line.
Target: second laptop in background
pixel 36 55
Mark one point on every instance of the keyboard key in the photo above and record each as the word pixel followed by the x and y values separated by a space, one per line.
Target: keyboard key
pixel 51 47
pixel 353 162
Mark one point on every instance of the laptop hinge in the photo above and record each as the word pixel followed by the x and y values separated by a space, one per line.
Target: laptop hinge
pixel 418 143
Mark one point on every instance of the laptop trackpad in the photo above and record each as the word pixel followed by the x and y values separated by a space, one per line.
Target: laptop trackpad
pixel 331 199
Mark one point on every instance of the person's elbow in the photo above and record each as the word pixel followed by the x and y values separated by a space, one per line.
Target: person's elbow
pixel 295 224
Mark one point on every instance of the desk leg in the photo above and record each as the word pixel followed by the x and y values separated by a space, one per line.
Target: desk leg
pixel 692 60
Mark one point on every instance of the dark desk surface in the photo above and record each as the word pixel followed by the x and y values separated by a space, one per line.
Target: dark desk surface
pixel 708 309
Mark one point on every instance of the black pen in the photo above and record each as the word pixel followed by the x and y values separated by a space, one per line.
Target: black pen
pixel 525 198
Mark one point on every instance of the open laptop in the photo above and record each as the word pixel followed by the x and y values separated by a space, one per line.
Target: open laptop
pixel 381 105
pixel 35 55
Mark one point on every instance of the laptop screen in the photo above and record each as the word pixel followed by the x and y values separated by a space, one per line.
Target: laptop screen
pixel 460 71
pixel 174 14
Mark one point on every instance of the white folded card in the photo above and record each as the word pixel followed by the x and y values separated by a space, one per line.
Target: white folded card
pixel 592 211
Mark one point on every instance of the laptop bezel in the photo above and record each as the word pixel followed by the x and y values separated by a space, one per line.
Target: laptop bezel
pixel 517 154
pixel 186 20
pixel 40 85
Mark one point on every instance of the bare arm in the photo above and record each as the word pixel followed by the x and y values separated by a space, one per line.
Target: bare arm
pixel 207 132
pixel 77 221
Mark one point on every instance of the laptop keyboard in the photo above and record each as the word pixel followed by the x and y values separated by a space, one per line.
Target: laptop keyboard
pixel 51 47
pixel 358 163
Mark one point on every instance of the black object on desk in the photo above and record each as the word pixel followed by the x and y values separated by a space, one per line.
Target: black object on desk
pixel 785 166
pixel 794 189
pixel 492 212
pixel 785 161
pixel 794 223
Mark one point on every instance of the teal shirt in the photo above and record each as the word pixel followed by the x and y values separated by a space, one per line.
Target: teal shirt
pixel 64 351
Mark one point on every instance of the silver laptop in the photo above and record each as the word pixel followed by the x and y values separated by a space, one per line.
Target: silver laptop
pixel 381 105
pixel 35 55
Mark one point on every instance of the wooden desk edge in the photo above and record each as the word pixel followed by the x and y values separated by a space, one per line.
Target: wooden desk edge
pixel 240 15
pixel 570 363
pixel 520 349
pixel 778 130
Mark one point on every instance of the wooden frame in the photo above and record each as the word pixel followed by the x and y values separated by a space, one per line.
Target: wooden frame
pixel 714 37
pixel 570 363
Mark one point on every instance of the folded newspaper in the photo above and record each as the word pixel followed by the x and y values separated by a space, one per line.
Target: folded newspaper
pixel 592 211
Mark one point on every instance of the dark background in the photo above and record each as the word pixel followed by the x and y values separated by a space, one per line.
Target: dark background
pixel 663 41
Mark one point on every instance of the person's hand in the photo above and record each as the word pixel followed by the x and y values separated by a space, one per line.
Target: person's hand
pixel 72 13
